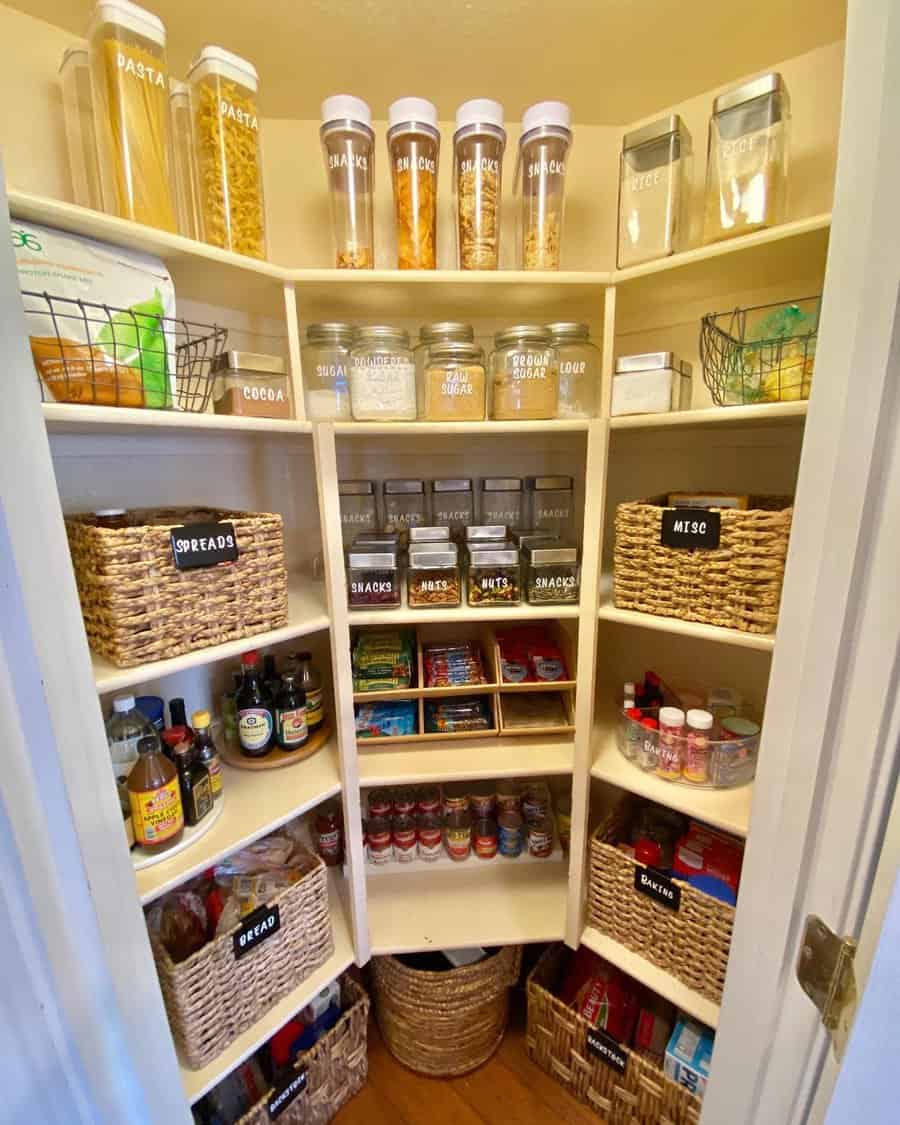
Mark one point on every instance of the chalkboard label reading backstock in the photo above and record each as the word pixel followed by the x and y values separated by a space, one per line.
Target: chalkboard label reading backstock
pixel 203 544
pixel 652 883
pixel 607 1049
pixel 690 527
pixel 285 1093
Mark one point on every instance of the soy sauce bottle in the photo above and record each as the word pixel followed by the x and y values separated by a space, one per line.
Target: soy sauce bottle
pixel 255 718
pixel 195 785
pixel 291 729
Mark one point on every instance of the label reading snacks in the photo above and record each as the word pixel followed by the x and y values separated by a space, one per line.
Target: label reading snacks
pixel 657 886
pixel 203 544
pixel 601 1044
pixel 285 1093
pixel 255 928
pixel 690 527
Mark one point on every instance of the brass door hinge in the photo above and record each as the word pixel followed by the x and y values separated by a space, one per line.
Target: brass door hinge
pixel 825 973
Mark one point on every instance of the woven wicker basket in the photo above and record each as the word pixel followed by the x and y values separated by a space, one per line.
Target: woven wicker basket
pixel 213 996
pixel 557 1042
pixel 444 1023
pixel 737 584
pixel 138 607
pixel 336 1068
pixel 691 943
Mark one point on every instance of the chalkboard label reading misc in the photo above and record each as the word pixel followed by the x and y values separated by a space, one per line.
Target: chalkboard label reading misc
pixel 285 1093
pixel 657 886
pixel 690 527
pixel 203 544
pixel 601 1044
pixel 255 928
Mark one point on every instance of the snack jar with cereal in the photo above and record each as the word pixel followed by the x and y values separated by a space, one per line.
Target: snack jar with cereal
pixel 348 145
pixel 414 143
pixel 541 180
pixel 478 144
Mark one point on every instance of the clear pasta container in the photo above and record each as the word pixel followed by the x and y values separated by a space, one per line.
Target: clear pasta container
pixel 224 89
pixel 501 502
pixel 524 374
pixel 579 369
pixel 551 504
pixel 747 159
pixel 187 194
pixel 326 363
pixel 348 145
pixel 404 506
pixel 130 79
pixel 359 514
pixel 455 383
pixel 478 146
pixel 650 383
pixel 414 143
pixel 494 576
pixel 81 138
pixel 552 574
pixel 251 385
pixel 654 181
pixel 431 335
pixel 382 375
pixel 373 579
pixel 453 505
pixel 433 577
pixel 541 181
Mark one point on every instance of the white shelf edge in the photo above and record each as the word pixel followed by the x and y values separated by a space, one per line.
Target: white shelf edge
pixel 656 979
pixel 406 616
pixel 473 864
pixel 398 277
pixel 74 418
pixel 487 426
pixel 769 412
pixel 716 633
pixel 502 757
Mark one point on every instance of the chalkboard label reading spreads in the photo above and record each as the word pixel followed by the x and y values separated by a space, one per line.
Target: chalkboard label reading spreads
pixel 690 527
pixel 607 1049
pixel 255 928
pixel 285 1093
pixel 657 886
pixel 203 544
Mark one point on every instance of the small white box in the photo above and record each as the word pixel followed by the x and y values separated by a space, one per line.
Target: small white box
pixel 652 383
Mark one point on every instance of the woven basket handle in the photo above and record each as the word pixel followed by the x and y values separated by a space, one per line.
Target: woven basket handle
pixel 515 967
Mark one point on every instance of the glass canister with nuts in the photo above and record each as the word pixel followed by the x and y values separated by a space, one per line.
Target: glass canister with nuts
pixel 433 577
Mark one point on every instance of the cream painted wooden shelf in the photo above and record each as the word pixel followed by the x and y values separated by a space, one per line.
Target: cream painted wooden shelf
pixel 719 416
pixel 198 1082
pixel 256 802
pixel 454 761
pixel 715 633
pixel 445 867
pixel 72 418
pixel 656 979
pixel 489 426
pixel 306 614
pixel 404 615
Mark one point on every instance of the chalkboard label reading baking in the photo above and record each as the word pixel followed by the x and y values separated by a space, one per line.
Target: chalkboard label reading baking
pixel 287 1091
pixel 203 544
pixel 255 928
pixel 657 886
pixel 690 527
pixel 601 1044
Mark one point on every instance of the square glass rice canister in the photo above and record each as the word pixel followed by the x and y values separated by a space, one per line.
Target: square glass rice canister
pixel 251 385
pixel 651 383
pixel 654 181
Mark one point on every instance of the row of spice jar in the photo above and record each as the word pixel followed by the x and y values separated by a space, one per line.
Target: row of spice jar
pixel 375 374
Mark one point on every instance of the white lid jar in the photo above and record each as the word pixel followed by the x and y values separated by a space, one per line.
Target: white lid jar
pixel 414 143
pixel 541 180
pixel 478 146
pixel 348 146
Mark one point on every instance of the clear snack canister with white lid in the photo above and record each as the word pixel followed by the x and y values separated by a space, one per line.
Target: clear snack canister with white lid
pixel 414 143
pixel 81 138
pixel 348 145
pixel 541 179
pixel 478 146
pixel 187 201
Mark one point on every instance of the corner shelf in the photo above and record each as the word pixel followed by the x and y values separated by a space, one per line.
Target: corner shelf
pixel 722 417
pixel 760 642
pixel 73 418
pixel 403 615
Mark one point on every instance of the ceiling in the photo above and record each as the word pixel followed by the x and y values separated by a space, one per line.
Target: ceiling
pixel 614 61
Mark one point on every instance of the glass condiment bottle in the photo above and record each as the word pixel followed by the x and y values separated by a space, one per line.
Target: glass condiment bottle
pixel 541 178
pixel 154 794
pixel 271 679
pixel 478 145
pixel 654 182
pixel 256 723
pixel 205 751
pixel 291 719
pixel 310 682
pixel 326 368
pixel 430 335
pixel 329 833
pixel 382 375
pixel 524 374
pixel 195 785
pixel 229 708
pixel 348 145
pixel 125 728
pixel 414 143
pixel 579 369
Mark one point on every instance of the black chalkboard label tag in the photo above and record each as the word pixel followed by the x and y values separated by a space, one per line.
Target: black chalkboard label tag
pixel 203 544
pixel 690 527
pixel 657 886
pixel 255 929
pixel 286 1092
pixel 602 1045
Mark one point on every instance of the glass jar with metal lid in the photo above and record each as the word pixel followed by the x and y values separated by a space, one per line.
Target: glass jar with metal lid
pixel 551 574
pixel 326 359
pixel 650 383
pixel 382 375
pixel 478 145
pixel 551 504
pixel 524 374
pixel 440 332
pixel 453 505
pixel 579 369
pixel 494 576
pixel 405 506
pixel 654 182
pixel 432 577
pixel 348 145
pixel 429 538
pixel 747 160
pixel 358 511
pixel 455 383
pixel 501 501
pixel 250 384
pixel 373 579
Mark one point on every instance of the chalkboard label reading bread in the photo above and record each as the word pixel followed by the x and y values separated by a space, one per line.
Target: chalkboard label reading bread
pixel 690 527
pixel 652 883
pixel 286 1093
pixel 255 929
pixel 203 544
pixel 602 1045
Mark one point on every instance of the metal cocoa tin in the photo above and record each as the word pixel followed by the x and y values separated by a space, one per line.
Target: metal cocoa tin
pixel 510 837
pixel 540 837
pixel 430 838
pixel 458 835
pixel 378 840
pixel 403 834
pixel 484 838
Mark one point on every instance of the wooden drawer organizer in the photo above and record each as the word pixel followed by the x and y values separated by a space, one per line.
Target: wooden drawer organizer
pixel 494 690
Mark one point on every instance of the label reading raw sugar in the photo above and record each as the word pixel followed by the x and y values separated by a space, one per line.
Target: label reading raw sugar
pixel 657 886
pixel 286 1092
pixel 602 1045
pixel 254 930
pixel 690 527
pixel 203 544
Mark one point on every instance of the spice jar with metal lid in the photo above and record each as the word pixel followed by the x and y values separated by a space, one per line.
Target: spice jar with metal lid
pixel 541 180
pixel 494 576
pixel 404 506
pixel 326 363
pixel 551 504
pixel 373 579
pixel 455 383
pixel 478 146
pixel 382 375
pixel 250 384
pixel 358 511
pixel 552 574
pixel 348 145
pixel 453 505
pixel 414 143
pixel 432 577
pixel 579 369
pixel 500 501
pixel 524 537
pixel 524 374
pixel 429 538
pixel 747 158
pixel 654 181
pixel 430 335
pixel 650 383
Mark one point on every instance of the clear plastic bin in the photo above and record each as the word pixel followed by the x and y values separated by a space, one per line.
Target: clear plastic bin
pixel 524 374
pixel 654 181
pixel 541 181
pixel 81 138
pixel 187 196
pixel 359 514
pixel 579 369
pixel 414 143
pixel 382 375
pixel 348 145
pixel 251 385
pixel 478 146
pixel 326 365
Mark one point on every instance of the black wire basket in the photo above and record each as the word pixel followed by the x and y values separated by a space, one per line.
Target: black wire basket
pixel 101 355
pixel 760 354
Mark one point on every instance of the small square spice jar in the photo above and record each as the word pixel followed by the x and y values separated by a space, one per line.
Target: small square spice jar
pixel 552 574
pixel 373 580
pixel 494 577
pixel 432 578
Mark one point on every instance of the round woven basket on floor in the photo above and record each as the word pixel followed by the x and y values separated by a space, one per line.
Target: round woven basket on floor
pixel 444 1023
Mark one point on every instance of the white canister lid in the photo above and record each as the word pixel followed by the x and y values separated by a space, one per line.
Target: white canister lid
pixel 671 717
pixel 404 110
pixel 216 60
pixel 129 15
pixel 346 107
pixel 479 111
pixel 178 89
pixel 699 719
pixel 555 114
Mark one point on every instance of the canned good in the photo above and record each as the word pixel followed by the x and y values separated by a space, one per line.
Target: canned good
pixel 483 800
pixel 535 803
pixel 509 796
pixel 458 835
pixel 403 834
pixel 429 800
pixel 456 797
pixel 540 837
pixel 429 836
pixel 509 826
pixel 484 838
pixel 378 840
pixel 404 803
pixel 380 803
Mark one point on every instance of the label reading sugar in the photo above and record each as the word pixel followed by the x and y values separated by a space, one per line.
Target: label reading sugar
pixel 255 929
pixel 203 544
pixel 690 527
pixel 652 883
pixel 602 1045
